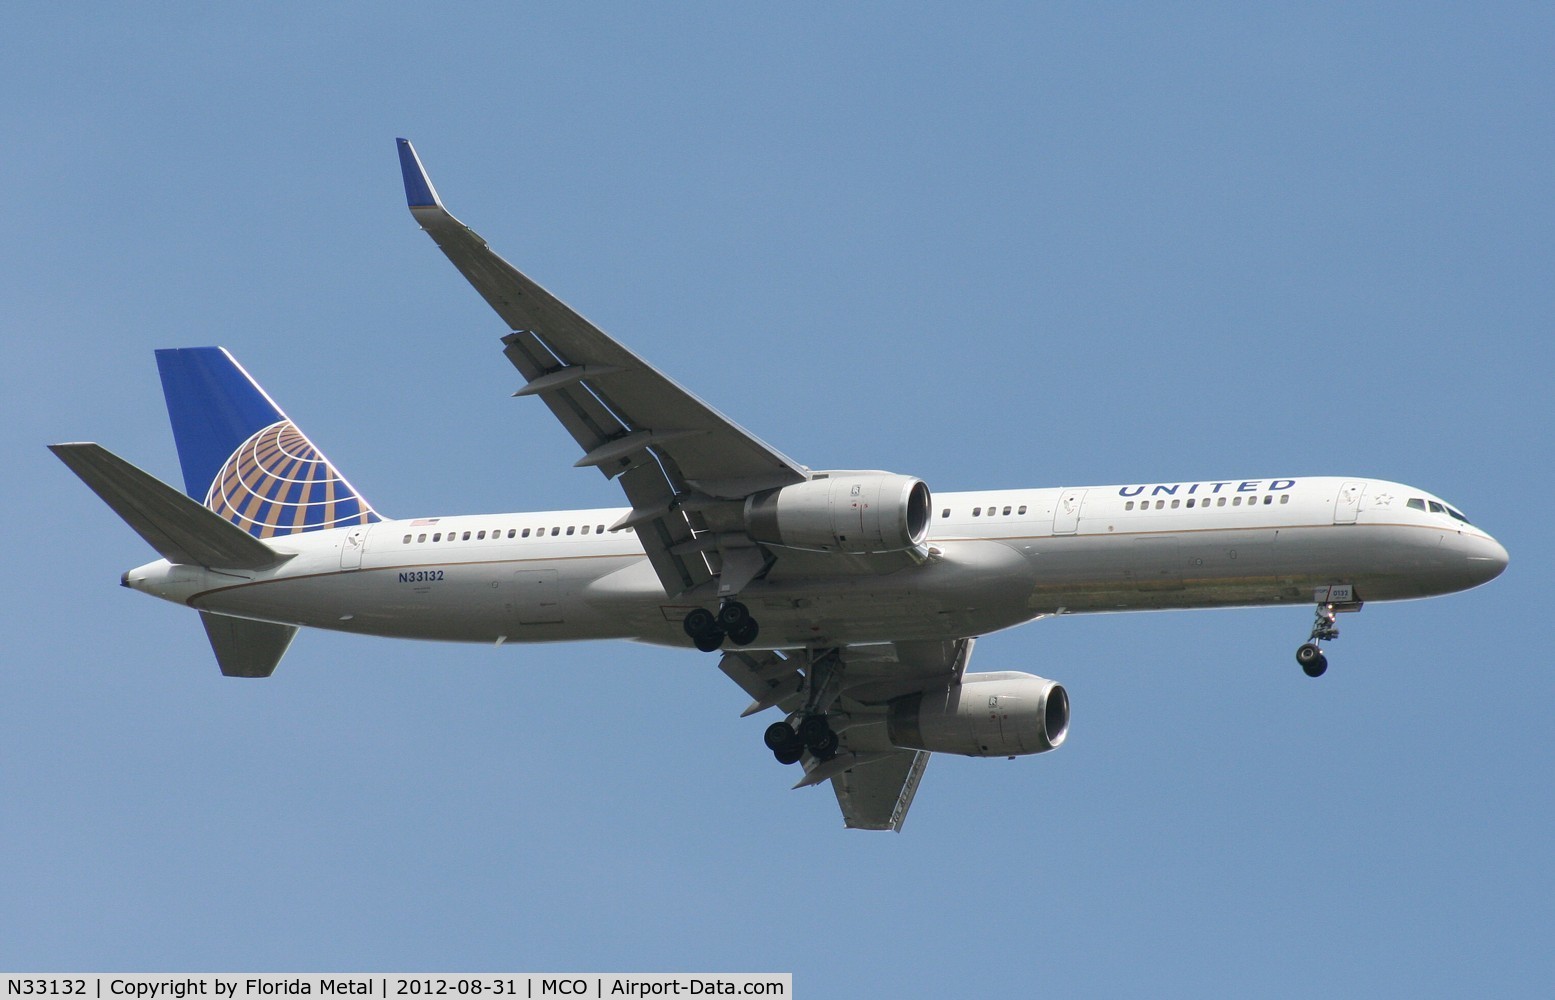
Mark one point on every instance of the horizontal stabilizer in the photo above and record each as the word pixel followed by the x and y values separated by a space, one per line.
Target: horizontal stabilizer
pixel 246 648
pixel 180 529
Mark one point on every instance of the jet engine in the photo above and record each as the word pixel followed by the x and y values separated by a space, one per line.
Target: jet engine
pixel 1001 714
pixel 854 512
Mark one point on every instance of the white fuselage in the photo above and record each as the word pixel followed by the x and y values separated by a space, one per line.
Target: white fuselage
pixel 996 558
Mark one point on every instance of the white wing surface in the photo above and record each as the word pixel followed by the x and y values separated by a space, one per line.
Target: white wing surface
pixel 672 452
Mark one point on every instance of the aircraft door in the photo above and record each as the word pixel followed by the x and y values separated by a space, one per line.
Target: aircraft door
pixel 1347 506
pixel 1066 513
pixel 351 549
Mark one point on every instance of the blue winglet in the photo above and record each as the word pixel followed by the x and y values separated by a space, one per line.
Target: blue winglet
pixel 418 188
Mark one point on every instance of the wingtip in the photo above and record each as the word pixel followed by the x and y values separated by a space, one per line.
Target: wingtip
pixel 419 192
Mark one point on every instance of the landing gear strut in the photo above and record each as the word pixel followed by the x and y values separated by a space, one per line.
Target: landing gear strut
pixel 708 630
pixel 1310 655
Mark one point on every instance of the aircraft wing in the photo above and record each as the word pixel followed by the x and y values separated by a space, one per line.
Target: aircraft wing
pixel 874 782
pixel 670 450
pixel 877 795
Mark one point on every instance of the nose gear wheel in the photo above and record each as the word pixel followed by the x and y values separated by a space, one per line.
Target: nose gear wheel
pixel 1310 654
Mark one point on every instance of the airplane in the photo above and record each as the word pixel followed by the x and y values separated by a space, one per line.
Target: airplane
pixel 848 600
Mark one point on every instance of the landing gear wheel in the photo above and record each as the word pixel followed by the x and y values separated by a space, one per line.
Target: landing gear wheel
pixel 779 734
pixel 816 734
pixel 708 642
pixel 1312 660
pixel 699 621
pixel 784 743
pixel 789 754
pixel 732 615
pixel 745 633
pixel 813 729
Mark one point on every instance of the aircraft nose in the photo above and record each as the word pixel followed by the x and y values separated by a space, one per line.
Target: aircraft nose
pixel 1487 558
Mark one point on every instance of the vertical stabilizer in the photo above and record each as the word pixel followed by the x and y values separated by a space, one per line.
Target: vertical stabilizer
pixel 243 458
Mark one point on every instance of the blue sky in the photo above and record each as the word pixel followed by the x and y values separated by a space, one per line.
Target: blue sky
pixel 1015 246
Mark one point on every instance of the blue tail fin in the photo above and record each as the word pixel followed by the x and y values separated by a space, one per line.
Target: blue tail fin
pixel 242 457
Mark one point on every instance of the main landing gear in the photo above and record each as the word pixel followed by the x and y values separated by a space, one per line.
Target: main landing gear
pixel 733 621
pixel 814 734
pixel 1310 654
pixel 810 727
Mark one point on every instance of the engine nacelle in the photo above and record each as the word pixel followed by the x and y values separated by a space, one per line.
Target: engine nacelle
pixel 1002 714
pixel 857 512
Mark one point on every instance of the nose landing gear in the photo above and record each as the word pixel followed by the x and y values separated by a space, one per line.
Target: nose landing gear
pixel 1330 601
pixel 1310 654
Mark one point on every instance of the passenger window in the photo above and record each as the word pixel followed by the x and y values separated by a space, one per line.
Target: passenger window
pixel 481 537
pixel 1268 500
pixel 555 532
pixel 1236 501
pixel 586 529
pixel 1220 501
pixel 599 529
pixel 467 536
pixel 977 512
pixel 437 537
pixel 1417 504
pixel 1022 509
pixel 945 512
pixel 511 532
pixel 571 528
pixel 1176 503
pixel 407 540
pixel 1190 503
pixel 1160 505
pixel 1285 498
pixel 525 534
pixel 1006 511
pixel 1129 505
pixel 421 537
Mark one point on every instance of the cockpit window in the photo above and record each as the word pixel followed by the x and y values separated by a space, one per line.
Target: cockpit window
pixel 1455 514
pixel 1437 508
pixel 1416 503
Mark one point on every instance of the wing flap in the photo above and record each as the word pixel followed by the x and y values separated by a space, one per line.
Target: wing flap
pixel 876 795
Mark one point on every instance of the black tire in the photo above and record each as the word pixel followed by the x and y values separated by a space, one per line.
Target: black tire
pixel 1316 667
pixel 788 755
pixel 745 633
pixel 1307 653
pixel 826 748
pixel 707 642
pixel 732 615
pixel 815 731
pixel 779 735
pixel 699 621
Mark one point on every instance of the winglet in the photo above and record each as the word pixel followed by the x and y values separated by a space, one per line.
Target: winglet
pixel 419 192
